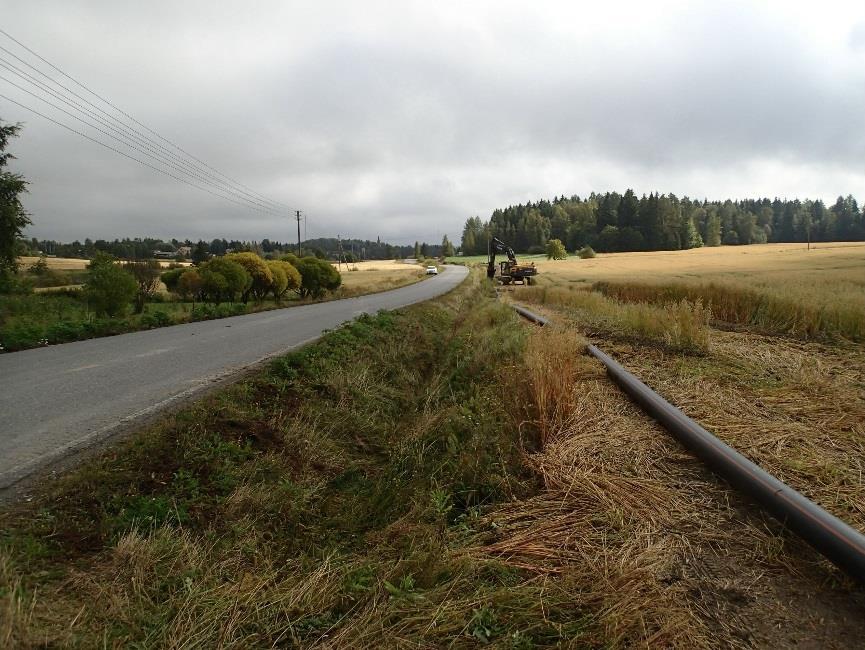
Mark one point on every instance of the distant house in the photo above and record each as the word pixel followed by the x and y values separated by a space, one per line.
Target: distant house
pixel 186 251
pixel 164 255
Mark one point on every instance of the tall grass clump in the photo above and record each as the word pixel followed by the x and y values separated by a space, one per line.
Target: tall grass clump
pixel 681 326
pixel 770 311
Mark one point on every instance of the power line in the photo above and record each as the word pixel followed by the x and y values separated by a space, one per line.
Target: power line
pixel 125 130
pixel 135 148
pixel 126 155
pixel 216 174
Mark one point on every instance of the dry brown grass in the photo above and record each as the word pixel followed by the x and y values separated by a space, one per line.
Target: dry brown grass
pixel 658 548
pixel 679 325
pixel 778 288
pixel 76 264
pixel 371 277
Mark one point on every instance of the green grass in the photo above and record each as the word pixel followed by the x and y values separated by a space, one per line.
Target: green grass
pixel 34 319
pixel 332 497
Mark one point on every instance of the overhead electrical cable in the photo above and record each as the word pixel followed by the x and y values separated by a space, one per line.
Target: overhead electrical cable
pixel 133 146
pixel 125 130
pixel 126 155
pixel 119 110
pixel 124 125
pixel 206 181
pixel 191 162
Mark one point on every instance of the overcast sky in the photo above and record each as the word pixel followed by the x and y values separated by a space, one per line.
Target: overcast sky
pixel 400 119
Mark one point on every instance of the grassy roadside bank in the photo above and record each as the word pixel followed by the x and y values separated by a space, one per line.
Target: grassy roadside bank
pixel 331 501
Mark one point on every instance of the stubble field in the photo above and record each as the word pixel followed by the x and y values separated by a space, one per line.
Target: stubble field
pixel 763 345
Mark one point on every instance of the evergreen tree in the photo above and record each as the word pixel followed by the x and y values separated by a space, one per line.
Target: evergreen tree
pixel 447 247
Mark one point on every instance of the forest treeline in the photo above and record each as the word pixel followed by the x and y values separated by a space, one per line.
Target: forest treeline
pixel 144 247
pixel 614 222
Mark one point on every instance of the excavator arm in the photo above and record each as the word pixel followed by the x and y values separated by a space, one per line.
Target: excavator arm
pixel 496 245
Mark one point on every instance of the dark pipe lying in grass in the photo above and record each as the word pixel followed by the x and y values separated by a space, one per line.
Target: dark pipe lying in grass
pixel 837 541
pixel 840 543
pixel 525 313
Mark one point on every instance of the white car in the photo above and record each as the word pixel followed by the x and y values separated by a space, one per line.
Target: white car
pixel 432 270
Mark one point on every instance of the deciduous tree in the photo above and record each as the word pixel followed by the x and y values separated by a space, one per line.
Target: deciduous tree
pixel 13 218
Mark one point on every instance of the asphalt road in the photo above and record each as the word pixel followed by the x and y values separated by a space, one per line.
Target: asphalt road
pixel 60 399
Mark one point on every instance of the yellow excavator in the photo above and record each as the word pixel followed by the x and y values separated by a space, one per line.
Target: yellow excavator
pixel 510 270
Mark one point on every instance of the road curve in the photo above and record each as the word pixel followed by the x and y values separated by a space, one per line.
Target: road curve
pixel 59 399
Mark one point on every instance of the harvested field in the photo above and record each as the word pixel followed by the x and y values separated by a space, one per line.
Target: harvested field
pixel 76 264
pixel 376 275
pixel 707 558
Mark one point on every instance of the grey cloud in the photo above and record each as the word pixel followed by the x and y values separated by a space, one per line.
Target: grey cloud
pixel 402 121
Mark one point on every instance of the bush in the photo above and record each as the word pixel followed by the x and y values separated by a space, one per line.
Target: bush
pixel 262 277
pixel 40 266
pixel 189 284
pixel 20 336
pixel 556 250
pixel 317 277
pixel 586 252
pixel 147 276
pixel 66 331
pixel 109 288
pixel 12 283
pixel 285 278
pixel 156 318
pixel 171 277
pixel 223 279
pixel 203 312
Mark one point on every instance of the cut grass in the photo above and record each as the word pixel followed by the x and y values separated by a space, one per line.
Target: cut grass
pixel 659 549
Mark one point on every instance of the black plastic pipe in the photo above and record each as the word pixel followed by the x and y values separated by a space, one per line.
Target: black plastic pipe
pixel 840 543
pixel 525 313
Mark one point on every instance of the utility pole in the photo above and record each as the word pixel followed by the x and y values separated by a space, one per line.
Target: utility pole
pixel 339 260
pixel 297 212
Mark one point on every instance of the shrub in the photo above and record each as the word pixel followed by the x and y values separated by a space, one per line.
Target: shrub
pixel 317 277
pixel 109 288
pixel 203 312
pixel 556 250
pixel 586 252
pixel 156 318
pixel 189 284
pixel 285 278
pixel 40 266
pixel 21 335
pixel 147 277
pixel 171 277
pixel 223 279
pixel 262 277
pixel 66 331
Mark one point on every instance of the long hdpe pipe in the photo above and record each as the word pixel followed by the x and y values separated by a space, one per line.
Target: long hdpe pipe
pixel 840 543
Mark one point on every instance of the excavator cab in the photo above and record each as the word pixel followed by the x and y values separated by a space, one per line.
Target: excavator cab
pixel 510 270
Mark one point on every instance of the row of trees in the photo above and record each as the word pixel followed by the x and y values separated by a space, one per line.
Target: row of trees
pixel 143 248
pixel 623 222
pixel 112 286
